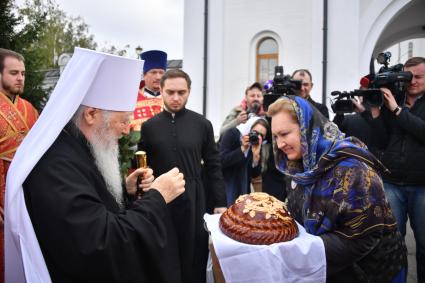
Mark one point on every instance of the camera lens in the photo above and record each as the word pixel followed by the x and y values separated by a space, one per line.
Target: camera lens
pixel 253 138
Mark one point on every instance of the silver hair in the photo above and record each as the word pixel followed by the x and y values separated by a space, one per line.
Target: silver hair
pixel 105 151
pixel 78 115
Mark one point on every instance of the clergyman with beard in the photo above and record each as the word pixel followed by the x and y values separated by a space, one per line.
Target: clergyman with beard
pixel 179 137
pixel 17 116
pixel 66 220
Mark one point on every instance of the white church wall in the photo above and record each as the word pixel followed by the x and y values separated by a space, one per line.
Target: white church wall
pixel 373 21
pixel 236 26
pixel 247 21
pixel 343 49
pixel 316 66
pixel 419 47
pixel 216 99
pixel 193 48
pixel 400 51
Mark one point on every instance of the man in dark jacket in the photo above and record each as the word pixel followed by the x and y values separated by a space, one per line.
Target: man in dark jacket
pixel 304 75
pixel 403 118
pixel 179 137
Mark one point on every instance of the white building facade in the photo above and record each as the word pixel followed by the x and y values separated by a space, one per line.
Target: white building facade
pixel 246 38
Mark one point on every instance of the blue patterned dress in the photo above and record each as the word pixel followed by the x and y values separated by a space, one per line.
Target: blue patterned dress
pixel 336 192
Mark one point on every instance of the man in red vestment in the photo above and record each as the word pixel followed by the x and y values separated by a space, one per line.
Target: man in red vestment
pixel 149 100
pixel 17 116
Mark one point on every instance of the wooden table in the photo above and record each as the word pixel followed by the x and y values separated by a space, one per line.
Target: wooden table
pixel 218 274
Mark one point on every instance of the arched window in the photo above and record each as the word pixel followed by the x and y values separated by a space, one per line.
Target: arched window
pixel 267 59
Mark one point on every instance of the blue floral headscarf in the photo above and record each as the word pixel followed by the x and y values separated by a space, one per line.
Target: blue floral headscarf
pixel 321 142
pixel 339 177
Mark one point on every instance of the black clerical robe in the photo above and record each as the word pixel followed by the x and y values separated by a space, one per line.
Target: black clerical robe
pixel 83 233
pixel 186 141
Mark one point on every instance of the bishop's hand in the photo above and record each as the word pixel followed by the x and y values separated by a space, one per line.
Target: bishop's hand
pixel 170 185
pixel 146 177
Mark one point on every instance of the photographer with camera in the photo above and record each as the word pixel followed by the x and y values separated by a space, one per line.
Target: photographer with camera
pixel 304 75
pixel 251 104
pixel 367 102
pixel 240 154
pixel 403 119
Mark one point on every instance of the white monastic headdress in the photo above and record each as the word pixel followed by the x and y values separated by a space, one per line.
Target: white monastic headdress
pixel 90 78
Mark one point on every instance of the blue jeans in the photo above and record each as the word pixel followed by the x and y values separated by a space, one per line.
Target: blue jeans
pixel 409 201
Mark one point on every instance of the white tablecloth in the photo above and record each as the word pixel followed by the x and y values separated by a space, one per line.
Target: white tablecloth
pixel 300 260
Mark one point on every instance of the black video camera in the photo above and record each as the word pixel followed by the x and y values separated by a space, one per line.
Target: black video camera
pixel 344 104
pixel 392 78
pixel 282 85
pixel 253 138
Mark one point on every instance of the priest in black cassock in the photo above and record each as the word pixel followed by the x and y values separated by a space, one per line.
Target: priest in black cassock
pixel 178 137
pixel 66 220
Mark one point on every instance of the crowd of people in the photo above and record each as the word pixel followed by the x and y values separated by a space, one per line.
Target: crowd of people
pixel 71 217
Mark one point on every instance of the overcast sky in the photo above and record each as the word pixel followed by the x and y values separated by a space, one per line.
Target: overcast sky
pixel 152 24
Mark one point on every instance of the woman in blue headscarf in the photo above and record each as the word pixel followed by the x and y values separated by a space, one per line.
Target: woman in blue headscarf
pixel 336 193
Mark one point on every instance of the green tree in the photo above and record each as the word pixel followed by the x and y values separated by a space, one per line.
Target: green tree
pixel 8 22
pixel 22 37
pixel 61 32
pixel 40 31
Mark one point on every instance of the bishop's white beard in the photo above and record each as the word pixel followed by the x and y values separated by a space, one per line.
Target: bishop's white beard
pixel 105 151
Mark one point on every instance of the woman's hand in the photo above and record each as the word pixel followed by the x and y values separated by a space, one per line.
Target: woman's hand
pixel 244 143
pixel 256 150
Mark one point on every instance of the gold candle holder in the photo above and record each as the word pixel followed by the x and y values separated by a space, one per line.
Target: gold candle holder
pixel 141 162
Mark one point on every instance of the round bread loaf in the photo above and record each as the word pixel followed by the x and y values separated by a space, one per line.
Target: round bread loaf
pixel 258 219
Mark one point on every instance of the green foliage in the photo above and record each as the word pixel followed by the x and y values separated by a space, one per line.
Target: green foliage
pixel 60 33
pixel 40 31
pixel 8 21
pixel 23 38
pixel 128 146
pixel 34 92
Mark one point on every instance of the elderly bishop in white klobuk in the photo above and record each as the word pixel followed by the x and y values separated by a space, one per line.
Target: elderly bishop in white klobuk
pixel 66 220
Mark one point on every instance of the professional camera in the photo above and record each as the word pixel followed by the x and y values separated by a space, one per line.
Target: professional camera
pixel 281 85
pixel 344 104
pixel 253 138
pixel 392 78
